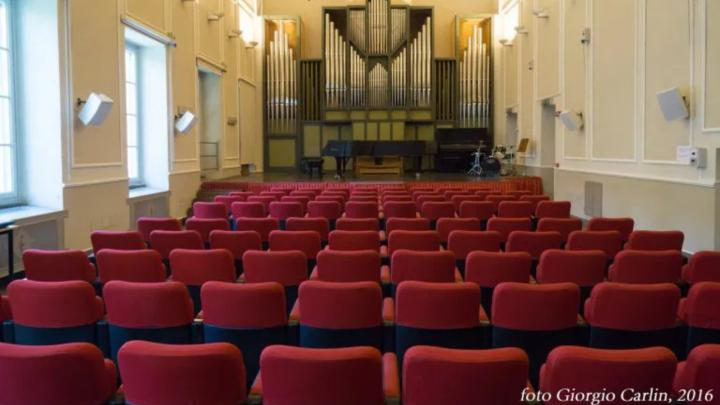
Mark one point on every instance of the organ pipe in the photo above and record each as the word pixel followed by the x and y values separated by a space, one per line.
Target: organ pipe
pixel 474 108
pixel 335 65
pixel 281 83
pixel 421 65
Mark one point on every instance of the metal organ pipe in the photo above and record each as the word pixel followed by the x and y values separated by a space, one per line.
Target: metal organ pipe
pixel 421 65
pixel 336 64
pixel 281 81
pixel 475 82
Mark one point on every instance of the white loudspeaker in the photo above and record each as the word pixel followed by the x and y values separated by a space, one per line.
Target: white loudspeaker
pixel 572 120
pixel 95 109
pixel 673 104
pixel 185 122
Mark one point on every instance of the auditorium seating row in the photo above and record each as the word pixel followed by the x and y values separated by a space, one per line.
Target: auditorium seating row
pixel 214 374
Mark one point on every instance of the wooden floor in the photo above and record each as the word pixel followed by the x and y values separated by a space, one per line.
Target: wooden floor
pixel 329 177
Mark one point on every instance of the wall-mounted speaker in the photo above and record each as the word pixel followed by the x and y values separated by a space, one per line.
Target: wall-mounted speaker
pixel 95 109
pixel 673 104
pixel 185 122
pixel 572 120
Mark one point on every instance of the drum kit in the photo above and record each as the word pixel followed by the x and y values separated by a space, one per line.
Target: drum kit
pixel 501 162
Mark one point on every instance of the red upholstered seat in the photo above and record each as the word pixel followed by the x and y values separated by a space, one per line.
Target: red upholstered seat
pixel 307 242
pixel 357 209
pixel 647 267
pixel 330 210
pixel 263 226
pixel 201 374
pixel 276 194
pixel 488 269
pixel 357 224
pixel 700 308
pixel 632 307
pixel 195 267
pixel 515 209
pixel 340 306
pixel 130 265
pixel 583 267
pixel 331 198
pixel 146 225
pixel 265 200
pixel 57 265
pixel 433 266
pixel 407 224
pixel 435 375
pixel 452 193
pixel 496 199
pixel 413 240
pixel 319 225
pixel 397 198
pixel 248 210
pixel 311 194
pixel 245 194
pixel 482 210
pixel 565 226
pixel 534 243
pixel 228 200
pixel 354 240
pixel 587 370
pixel 655 240
pixel 463 242
pixel 71 373
pixel 302 200
pixel 506 226
pixel 609 242
pixel 54 305
pixel 147 305
pixel 243 306
pixel 399 209
pixel 703 266
pixel 425 305
pixel 165 242
pixel 534 199
pixel 445 226
pixel 209 210
pixel 535 307
pixel 699 373
pixel 204 226
pixel 118 240
pixel 349 266
pixel 461 198
pixel 434 210
pixel 519 193
pixel 236 242
pixel 623 225
pixel 363 198
pixel 423 199
pixel 285 210
pixel 553 209
pixel 288 268
pixel 348 376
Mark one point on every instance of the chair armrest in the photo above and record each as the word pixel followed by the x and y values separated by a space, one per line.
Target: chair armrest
pixel 458 276
pixel 294 318
pixel 483 317
pixel 391 379
pixel 385 274
pixel 255 395
pixel 581 322
pixel 314 273
pixel 388 312
pixel 241 279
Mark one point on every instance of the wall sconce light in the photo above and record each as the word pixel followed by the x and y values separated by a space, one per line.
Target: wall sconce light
pixel 234 33
pixel 95 109
pixel 572 120
pixel 215 16
pixel 541 13
pixel 185 121
pixel 251 44
pixel 505 42
pixel 520 29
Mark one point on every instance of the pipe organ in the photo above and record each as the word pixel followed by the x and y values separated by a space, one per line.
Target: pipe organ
pixel 281 77
pixel 474 80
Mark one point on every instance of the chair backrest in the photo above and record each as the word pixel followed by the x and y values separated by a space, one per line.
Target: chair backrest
pixel 461 198
pixel 331 198
pixel 623 225
pixel 506 226
pixel 553 209
pixel 363 198
pixel 436 266
pixel 633 307
pixel 437 305
pixel 449 194
pixel 348 376
pixel 397 198
pixel 243 306
pixel 700 371
pixel 646 267
pixel 307 242
pixel 655 240
pixel 277 193
pixel 285 210
pixel 165 242
pixel 228 200
pixel 265 200
pixel 445 226
pixel 298 199
pixel 616 372
pixel 400 209
pixel 462 242
pixel 195 267
pixel 534 199
pixel 263 226
pixel 565 226
pixel 535 307
pixel 515 209
pixel 248 209
pixel 482 210
pixel 57 304
pixel 357 224
pixel 434 210
pixel 354 240
pixel 71 373
pixel 130 265
pixel 496 199
pixel 147 305
pixel 336 191
pixel 57 265
pixel 582 267
pixel 319 225
pixel 700 308
pixel 534 243
pixel 348 266
pixel 358 209
pixel 146 225
pixel 209 210
pixel 407 224
pixel 330 210
pixel 118 240
pixel 413 240
pixel 703 266
pixel 329 305
pixel 288 268
pixel 484 193
pixel 495 375
pixel 609 242
pixel 204 226
pixel 245 194
pixel 202 374
pixel 488 269
pixel 236 242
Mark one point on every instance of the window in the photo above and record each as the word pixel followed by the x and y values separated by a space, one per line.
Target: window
pixel 132 112
pixel 8 161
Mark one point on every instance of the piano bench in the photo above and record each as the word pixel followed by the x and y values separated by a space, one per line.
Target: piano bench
pixel 312 163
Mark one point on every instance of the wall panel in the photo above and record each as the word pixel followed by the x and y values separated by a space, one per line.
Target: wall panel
pixel 150 12
pixel 712 64
pixel 574 69
pixel 185 81
pixel 210 32
pixel 548 49
pixel 511 74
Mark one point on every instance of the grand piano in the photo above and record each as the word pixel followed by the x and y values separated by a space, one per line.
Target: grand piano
pixel 342 151
pixel 455 147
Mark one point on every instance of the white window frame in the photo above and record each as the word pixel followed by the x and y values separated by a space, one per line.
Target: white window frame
pixel 12 197
pixel 136 181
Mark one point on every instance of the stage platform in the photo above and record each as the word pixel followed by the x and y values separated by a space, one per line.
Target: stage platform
pixel 267 181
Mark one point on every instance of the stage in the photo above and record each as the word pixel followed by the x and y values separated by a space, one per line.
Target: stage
pixel 267 181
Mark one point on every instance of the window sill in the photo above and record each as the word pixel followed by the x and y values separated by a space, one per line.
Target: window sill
pixel 146 193
pixel 28 215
